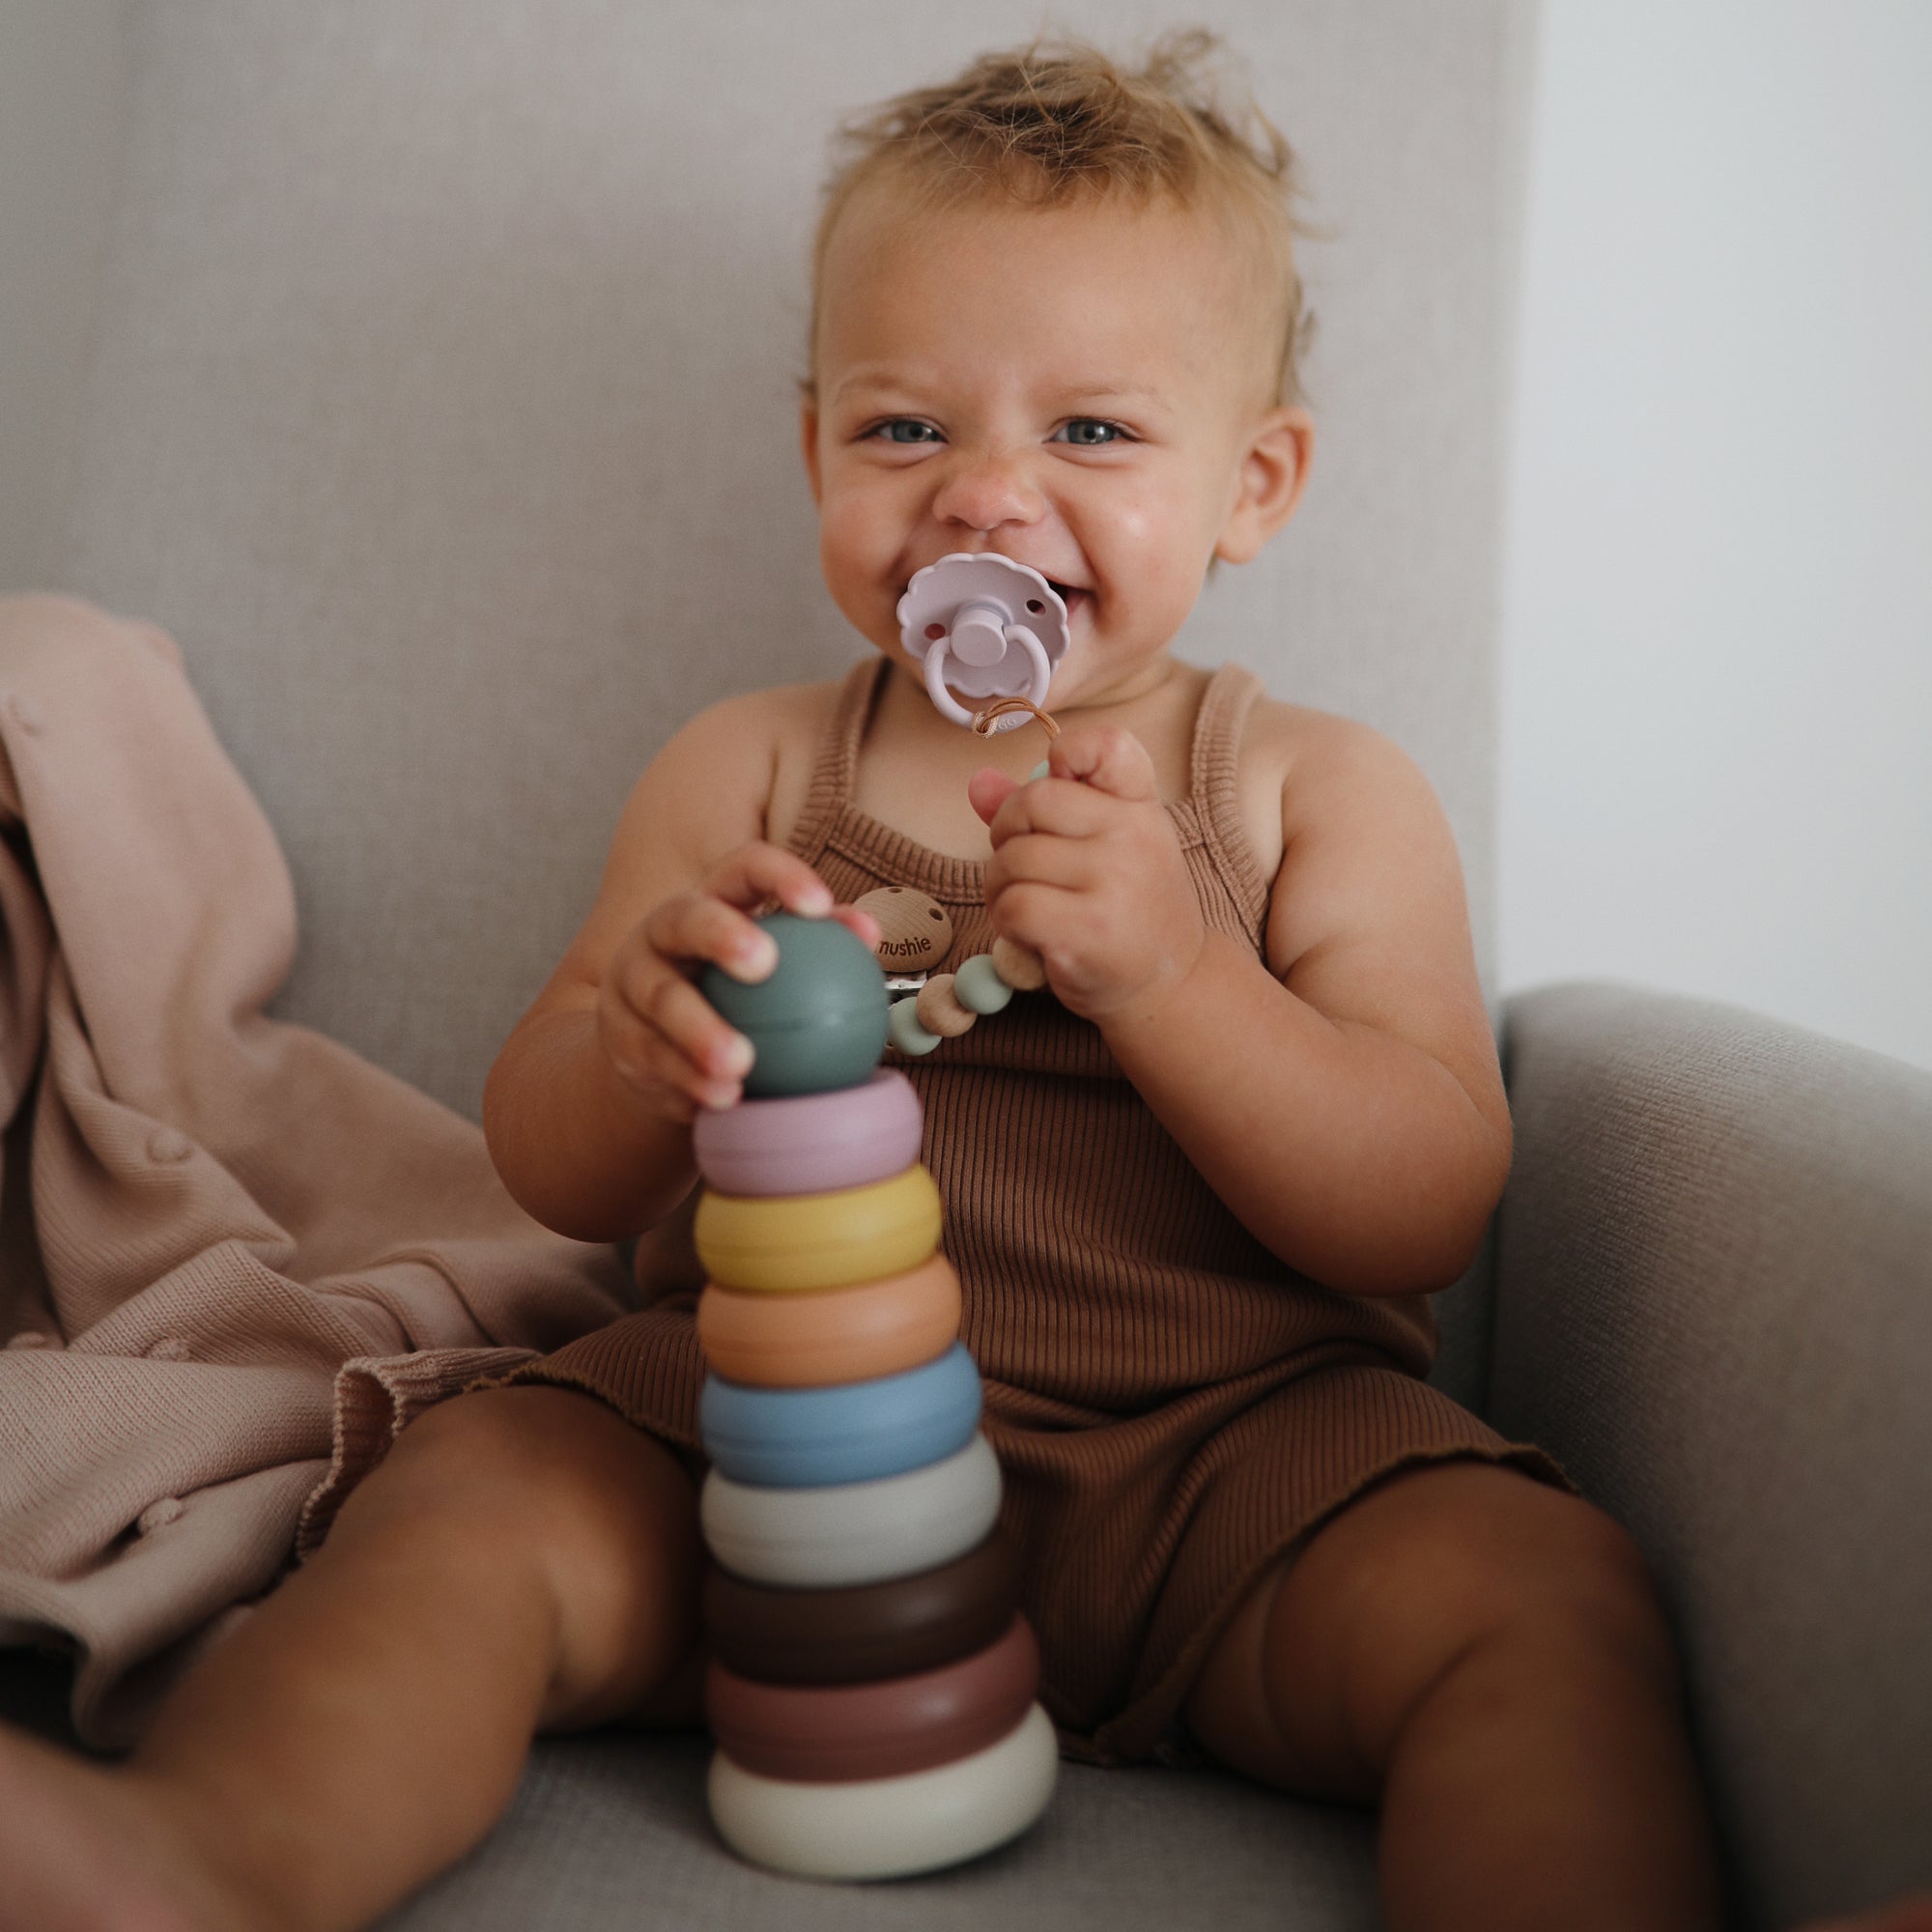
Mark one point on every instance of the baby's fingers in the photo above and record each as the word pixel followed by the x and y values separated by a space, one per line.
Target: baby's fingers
pixel 1107 758
pixel 863 925
pixel 756 872
pixel 663 1035
pixel 694 926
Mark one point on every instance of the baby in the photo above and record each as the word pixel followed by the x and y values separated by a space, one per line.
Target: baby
pixel 1197 1187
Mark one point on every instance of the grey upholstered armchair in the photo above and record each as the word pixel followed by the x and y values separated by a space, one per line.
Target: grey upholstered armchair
pixel 426 370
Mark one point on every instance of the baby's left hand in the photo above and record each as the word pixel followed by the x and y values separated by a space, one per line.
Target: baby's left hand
pixel 1088 873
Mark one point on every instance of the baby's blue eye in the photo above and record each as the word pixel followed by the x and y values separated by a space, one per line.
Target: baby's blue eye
pixel 1089 432
pixel 905 429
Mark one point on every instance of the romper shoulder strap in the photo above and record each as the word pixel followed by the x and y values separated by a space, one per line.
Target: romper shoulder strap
pixel 837 759
pixel 1215 762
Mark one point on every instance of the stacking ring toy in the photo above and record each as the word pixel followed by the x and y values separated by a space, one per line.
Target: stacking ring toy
pixel 797 1438
pixel 821 1538
pixel 837 1335
pixel 803 1241
pixel 889 1827
pixel 818 1020
pixel 880 1630
pixel 807 1143
pixel 832 1734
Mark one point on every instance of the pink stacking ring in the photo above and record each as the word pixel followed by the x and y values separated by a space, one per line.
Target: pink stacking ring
pixel 810 1143
pixel 829 1734
pixel 834 1334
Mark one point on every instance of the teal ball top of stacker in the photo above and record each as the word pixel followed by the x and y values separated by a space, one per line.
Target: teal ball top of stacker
pixel 818 1020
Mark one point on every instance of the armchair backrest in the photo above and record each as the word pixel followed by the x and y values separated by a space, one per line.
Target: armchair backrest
pixel 441 403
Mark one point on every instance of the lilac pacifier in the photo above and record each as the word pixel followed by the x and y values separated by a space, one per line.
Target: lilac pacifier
pixel 985 625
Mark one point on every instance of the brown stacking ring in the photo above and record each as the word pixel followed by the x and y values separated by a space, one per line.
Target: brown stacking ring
pixel 836 1335
pixel 868 1630
pixel 834 1734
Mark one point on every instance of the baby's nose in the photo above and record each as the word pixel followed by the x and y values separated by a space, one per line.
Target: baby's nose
pixel 983 493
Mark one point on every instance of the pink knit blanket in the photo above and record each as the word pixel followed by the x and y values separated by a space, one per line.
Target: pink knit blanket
pixel 235 1258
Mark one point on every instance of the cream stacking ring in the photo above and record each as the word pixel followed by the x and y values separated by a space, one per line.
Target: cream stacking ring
pixel 822 1539
pixel 795 1438
pixel 803 1241
pixel 807 1143
pixel 889 1827
pixel 834 1335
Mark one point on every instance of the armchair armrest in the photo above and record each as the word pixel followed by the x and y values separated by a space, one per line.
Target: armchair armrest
pixel 1714 1307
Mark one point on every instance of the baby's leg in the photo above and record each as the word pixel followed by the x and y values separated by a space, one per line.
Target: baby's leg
pixel 523 1560
pixel 1485 1656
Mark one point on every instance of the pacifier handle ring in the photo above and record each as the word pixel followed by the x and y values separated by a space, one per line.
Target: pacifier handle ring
pixel 936 686
pixel 943 700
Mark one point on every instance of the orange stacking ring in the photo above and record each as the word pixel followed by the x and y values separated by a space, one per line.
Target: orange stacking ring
pixel 797 1242
pixel 835 1734
pixel 837 1335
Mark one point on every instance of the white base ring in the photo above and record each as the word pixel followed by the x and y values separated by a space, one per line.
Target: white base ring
pixel 827 1537
pixel 889 1827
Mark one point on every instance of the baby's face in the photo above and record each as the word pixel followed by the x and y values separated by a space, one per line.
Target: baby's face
pixel 1079 388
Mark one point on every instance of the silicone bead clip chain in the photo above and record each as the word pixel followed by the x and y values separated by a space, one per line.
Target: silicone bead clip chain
pixel 950 1002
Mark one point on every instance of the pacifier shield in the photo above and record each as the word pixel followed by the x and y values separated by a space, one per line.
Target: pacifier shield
pixel 986 626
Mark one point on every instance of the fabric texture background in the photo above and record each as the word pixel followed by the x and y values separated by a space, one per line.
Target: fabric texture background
pixel 443 406
pixel 234 1256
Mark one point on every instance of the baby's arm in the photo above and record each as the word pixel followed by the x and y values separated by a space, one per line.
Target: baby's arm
pixel 1344 1098
pixel 587 1110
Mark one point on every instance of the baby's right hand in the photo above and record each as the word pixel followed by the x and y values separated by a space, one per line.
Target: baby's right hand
pixel 662 1036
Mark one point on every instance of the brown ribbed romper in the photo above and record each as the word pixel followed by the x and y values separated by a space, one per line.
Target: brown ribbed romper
pixel 1172 1404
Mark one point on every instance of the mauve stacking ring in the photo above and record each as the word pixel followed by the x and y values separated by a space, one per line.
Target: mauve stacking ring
pixel 807 1142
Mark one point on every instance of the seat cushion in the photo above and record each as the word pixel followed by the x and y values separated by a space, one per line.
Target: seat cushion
pixel 610 1830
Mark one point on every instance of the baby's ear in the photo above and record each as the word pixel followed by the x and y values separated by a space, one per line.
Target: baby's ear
pixel 1275 469
pixel 808 435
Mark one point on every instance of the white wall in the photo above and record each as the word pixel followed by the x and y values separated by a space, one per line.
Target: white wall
pixel 1717 695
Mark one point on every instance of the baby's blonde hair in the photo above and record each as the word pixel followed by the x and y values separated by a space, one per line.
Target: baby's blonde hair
pixel 1058 119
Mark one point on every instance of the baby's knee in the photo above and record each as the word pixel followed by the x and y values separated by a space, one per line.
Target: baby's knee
pixel 541 1470
pixel 1460 1559
pixel 551 1498
pixel 1499 1550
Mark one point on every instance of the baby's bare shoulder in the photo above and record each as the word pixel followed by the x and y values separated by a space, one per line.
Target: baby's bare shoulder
pixel 1367 918
pixel 1326 764
pixel 774 716
pixel 1364 844
pixel 1299 768
pixel 742 752
pixel 712 787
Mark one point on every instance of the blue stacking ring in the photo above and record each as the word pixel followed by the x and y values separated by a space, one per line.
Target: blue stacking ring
pixel 785 1438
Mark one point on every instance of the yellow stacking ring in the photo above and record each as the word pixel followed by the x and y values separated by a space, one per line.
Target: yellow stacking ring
pixel 842 1335
pixel 792 1242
